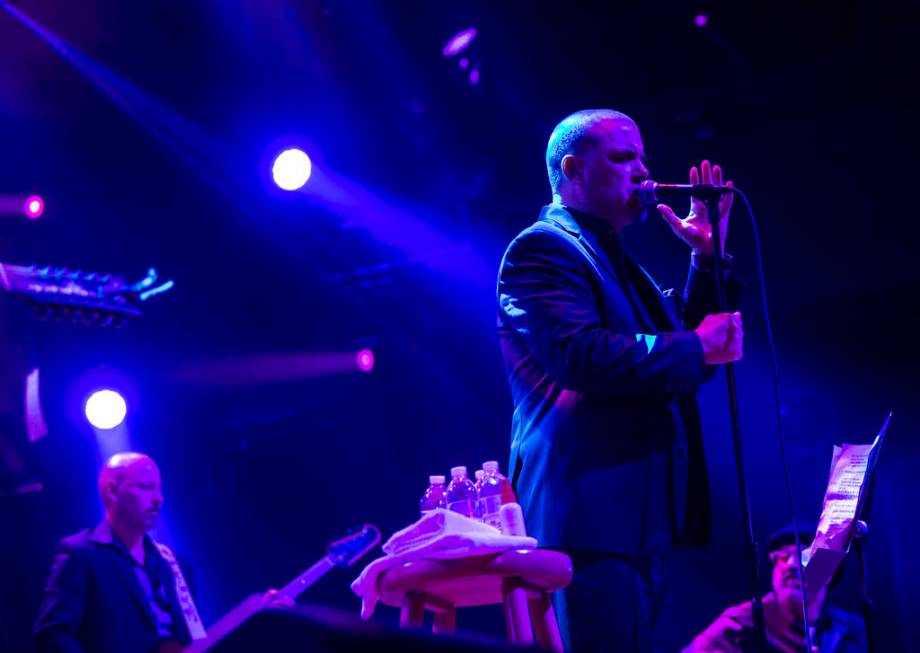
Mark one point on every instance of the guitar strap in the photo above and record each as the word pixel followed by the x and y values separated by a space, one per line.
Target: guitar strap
pixel 186 603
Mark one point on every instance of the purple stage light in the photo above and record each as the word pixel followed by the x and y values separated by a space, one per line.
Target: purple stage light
pixel 464 63
pixel 105 409
pixel 34 207
pixel 459 42
pixel 701 20
pixel 291 169
pixel 365 360
pixel 474 77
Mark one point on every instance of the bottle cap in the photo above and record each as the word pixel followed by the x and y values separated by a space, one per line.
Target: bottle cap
pixel 458 471
pixel 490 465
pixel 479 474
pixel 436 480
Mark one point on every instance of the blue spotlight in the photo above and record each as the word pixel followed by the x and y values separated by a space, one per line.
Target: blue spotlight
pixel 291 169
pixel 105 409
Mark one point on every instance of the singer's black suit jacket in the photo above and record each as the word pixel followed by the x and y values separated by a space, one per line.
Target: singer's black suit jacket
pixel 606 442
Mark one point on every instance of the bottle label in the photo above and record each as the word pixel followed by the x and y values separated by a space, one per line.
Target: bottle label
pixel 464 507
pixel 489 506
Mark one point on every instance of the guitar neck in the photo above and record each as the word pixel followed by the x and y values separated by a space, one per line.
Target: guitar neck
pixel 300 584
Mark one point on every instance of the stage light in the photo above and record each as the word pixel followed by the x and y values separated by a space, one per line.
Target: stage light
pixel 105 409
pixel 34 207
pixel 291 169
pixel 365 360
pixel 459 42
pixel 701 20
pixel 474 77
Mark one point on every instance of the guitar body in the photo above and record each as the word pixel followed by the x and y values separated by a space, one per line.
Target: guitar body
pixel 227 624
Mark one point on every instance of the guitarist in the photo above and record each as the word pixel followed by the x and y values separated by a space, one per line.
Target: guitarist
pixel 112 588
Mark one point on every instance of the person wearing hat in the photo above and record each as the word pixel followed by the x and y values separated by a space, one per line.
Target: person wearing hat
pixel 833 630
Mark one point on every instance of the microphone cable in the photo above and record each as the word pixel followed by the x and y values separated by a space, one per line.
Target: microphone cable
pixel 779 417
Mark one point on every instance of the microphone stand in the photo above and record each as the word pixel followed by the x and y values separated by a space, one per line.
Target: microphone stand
pixel 861 532
pixel 711 200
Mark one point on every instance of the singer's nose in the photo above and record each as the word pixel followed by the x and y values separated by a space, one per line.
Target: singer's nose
pixel 640 172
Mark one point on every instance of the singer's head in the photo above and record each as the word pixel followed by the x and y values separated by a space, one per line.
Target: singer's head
pixel 596 160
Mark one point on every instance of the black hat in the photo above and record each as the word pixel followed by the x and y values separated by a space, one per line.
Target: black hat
pixel 786 535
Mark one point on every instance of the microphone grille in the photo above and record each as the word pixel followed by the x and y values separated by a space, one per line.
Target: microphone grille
pixel 648 192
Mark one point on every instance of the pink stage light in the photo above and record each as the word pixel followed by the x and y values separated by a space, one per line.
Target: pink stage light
pixel 701 20
pixel 34 207
pixel 459 42
pixel 365 360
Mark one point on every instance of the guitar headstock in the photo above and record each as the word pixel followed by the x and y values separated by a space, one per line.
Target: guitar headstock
pixel 351 548
pixel 84 297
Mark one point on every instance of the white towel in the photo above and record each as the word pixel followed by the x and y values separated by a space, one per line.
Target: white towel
pixel 440 534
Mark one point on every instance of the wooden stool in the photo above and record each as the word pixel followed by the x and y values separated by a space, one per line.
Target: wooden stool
pixel 520 579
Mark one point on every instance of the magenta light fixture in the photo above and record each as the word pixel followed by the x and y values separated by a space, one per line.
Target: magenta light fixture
pixel 459 42
pixel 365 360
pixel 291 169
pixel 34 207
pixel 701 20
pixel 105 409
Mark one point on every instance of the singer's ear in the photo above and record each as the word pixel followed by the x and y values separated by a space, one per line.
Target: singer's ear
pixel 570 167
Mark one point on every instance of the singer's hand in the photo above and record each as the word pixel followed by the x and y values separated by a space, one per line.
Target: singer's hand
pixel 722 338
pixel 695 229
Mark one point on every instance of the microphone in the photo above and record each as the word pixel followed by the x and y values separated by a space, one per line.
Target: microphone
pixel 652 193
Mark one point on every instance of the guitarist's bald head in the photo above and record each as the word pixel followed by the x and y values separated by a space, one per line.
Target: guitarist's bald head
pixel 129 484
pixel 119 467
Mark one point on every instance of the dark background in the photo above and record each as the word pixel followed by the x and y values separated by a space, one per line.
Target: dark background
pixel 151 140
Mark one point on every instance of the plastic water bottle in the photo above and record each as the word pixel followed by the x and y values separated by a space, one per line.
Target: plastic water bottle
pixel 433 495
pixel 461 493
pixel 478 484
pixel 490 494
